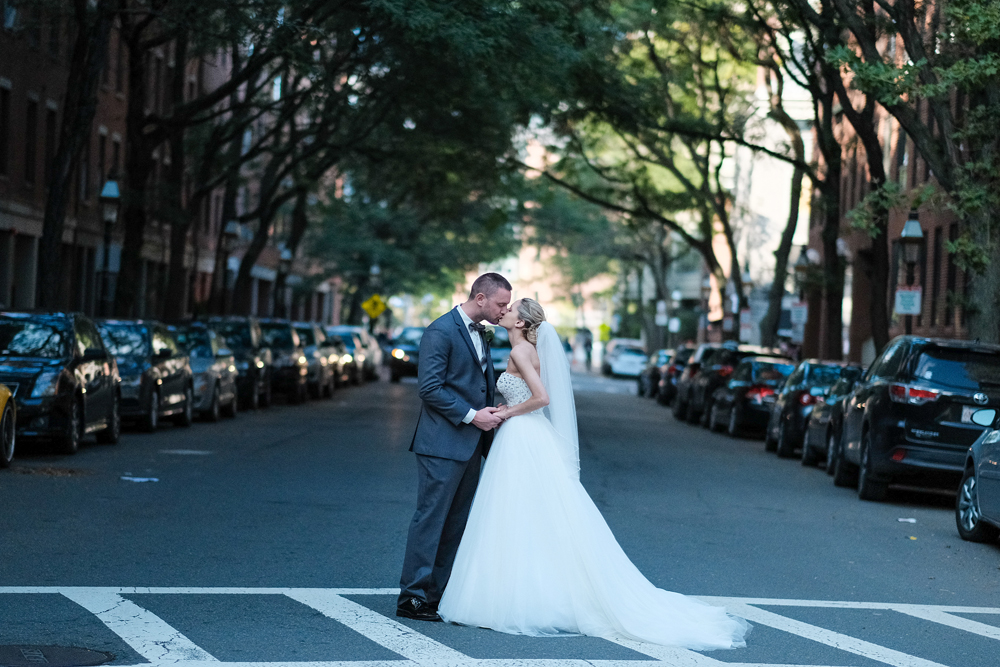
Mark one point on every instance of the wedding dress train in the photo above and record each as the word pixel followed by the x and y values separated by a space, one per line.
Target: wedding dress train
pixel 537 557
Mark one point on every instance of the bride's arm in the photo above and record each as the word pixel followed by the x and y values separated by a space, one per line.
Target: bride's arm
pixel 525 358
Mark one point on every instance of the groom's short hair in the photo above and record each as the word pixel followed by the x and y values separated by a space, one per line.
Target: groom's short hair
pixel 487 284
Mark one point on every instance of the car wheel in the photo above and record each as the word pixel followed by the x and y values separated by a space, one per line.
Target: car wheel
pixel 267 398
pixel 151 422
pixel 705 419
pixel 845 473
pixel 111 434
pixel 233 407
pixel 299 394
pixel 186 417
pixel 869 487
pixel 831 451
pixel 809 456
pixel 329 387
pixel 784 447
pixel 70 443
pixel 968 518
pixel 8 435
pixel 733 428
pixel 356 377
pixel 394 376
pixel 214 409
pixel 680 409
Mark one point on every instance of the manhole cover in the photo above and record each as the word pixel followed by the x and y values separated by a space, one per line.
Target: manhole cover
pixel 51 656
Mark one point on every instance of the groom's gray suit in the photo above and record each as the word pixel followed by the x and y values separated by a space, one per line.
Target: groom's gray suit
pixel 449 453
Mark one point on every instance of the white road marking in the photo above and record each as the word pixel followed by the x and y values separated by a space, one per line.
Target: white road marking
pixel 380 629
pixel 164 646
pixel 144 631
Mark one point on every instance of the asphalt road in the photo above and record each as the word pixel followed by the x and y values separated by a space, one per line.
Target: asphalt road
pixel 277 539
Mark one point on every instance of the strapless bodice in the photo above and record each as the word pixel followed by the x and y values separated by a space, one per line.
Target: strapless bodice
pixel 514 389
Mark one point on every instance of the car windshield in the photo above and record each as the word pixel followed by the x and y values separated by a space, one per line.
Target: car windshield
pixel 306 335
pixel 24 338
pixel 823 376
pixel 959 369
pixel 196 342
pixel 412 336
pixel 278 336
pixel 681 357
pixel 237 334
pixel 772 374
pixel 633 352
pixel 126 340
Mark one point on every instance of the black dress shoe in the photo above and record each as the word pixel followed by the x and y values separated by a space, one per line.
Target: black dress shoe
pixel 418 610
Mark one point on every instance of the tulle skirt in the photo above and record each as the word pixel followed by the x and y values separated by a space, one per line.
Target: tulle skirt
pixel 537 558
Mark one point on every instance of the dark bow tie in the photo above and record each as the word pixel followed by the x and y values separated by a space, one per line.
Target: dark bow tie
pixel 476 326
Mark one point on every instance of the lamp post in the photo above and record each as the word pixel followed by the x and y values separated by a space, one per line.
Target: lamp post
pixel 284 267
pixel 229 235
pixel 912 240
pixel 110 198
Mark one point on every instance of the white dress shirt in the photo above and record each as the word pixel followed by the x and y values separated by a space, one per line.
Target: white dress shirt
pixel 477 342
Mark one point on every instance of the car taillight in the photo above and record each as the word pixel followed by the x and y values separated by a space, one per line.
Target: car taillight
pixel 725 371
pixel 902 393
pixel 757 394
pixel 806 398
pixel 672 370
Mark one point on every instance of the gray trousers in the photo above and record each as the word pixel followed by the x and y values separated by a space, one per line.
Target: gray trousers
pixel 445 490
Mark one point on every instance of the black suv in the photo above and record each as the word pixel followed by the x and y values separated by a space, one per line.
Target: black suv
pixel 911 414
pixel 253 358
pixel 290 370
pixel 65 382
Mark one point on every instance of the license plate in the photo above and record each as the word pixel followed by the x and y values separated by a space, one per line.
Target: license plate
pixel 967 412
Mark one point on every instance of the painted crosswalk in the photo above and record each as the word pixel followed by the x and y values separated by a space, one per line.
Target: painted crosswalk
pixel 153 640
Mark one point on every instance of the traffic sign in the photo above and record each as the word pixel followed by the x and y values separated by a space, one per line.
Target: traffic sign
pixel 374 306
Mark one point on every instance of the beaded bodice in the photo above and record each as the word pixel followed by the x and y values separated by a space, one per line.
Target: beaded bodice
pixel 514 389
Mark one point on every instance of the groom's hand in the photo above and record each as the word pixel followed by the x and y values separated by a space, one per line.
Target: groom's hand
pixel 486 419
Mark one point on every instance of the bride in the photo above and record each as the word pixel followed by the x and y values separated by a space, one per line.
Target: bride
pixel 537 557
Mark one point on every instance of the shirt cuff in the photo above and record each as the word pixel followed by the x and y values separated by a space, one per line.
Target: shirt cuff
pixel 469 417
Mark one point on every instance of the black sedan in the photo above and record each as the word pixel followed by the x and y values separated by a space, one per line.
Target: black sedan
pixel 253 358
pixel 744 403
pixel 910 417
pixel 714 373
pixel 649 378
pixel 670 373
pixel 702 355
pixel 157 380
pixel 977 507
pixel 793 405
pixel 64 382
pixel 826 421
pixel 290 368
pixel 405 353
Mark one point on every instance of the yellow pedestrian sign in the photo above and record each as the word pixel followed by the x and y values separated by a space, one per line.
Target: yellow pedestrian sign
pixel 374 306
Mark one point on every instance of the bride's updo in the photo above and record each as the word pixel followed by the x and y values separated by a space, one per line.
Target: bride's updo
pixel 531 312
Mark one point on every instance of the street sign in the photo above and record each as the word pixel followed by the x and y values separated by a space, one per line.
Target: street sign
pixel 674 325
pixel 374 306
pixel 800 314
pixel 908 300
pixel 661 319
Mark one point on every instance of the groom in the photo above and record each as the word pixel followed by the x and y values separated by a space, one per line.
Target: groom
pixel 455 427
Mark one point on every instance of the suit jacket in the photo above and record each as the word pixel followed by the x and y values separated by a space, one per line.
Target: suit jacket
pixel 451 381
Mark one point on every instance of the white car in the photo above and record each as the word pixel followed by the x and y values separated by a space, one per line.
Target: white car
pixel 627 361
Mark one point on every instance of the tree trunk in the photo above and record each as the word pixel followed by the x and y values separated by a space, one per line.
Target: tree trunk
pixel 93 27
pixel 181 212
pixel 772 319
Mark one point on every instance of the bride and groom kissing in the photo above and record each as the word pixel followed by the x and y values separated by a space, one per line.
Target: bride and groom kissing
pixel 515 543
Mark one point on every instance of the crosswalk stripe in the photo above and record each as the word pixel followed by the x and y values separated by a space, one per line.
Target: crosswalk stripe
pixel 944 618
pixel 382 630
pixel 830 638
pixel 148 634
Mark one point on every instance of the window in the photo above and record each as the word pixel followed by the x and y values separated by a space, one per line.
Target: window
pixel 30 141
pixel 84 172
pixel 116 153
pixel 120 65
pixel 936 274
pixel 102 172
pixel 891 361
pixel 952 280
pixel 4 131
pixel 9 14
pixel 50 145
pixel 55 44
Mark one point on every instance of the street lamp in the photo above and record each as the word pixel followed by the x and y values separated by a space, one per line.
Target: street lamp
pixel 229 235
pixel 912 240
pixel 284 268
pixel 110 198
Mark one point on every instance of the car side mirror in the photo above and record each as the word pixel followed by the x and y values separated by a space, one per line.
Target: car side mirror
pixel 93 354
pixel 984 417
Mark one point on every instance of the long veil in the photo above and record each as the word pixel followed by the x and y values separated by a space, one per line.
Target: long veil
pixel 561 410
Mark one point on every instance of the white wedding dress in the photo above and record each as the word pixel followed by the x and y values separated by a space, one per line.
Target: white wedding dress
pixel 537 557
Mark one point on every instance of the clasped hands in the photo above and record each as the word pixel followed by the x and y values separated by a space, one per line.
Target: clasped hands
pixel 489 418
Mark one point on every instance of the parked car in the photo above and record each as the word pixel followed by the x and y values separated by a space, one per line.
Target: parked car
pixel 500 349
pixel 213 367
pixel 910 417
pixel 289 366
pixel 702 356
pixel 254 360
pixel 372 351
pixel 609 351
pixel 793 405
pixel 670 373
pixel 405 353
pixel 744 402
pixel 825 424
pixel 649 378
pixel 8 425
pixel 354 359
pixel 713 374
pixel 156 377
pixel 322 372
pixel 65 383
pixel 626 361
pixel 977 506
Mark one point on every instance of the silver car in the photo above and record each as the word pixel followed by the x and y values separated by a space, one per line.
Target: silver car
pixel 371 350
pixel 214 369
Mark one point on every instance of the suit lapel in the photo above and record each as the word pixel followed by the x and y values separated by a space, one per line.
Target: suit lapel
pixel 465 333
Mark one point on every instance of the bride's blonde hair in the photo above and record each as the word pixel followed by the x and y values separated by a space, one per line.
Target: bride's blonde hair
pixel 531 312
